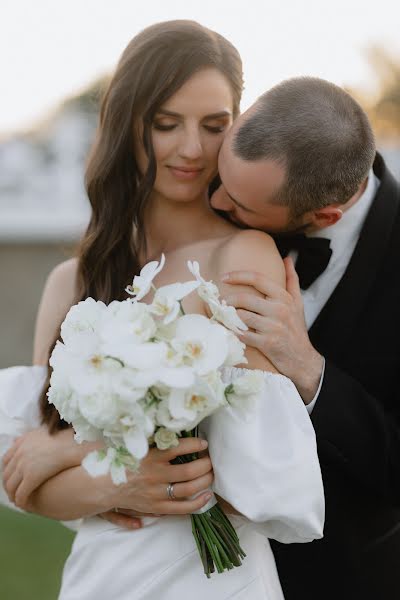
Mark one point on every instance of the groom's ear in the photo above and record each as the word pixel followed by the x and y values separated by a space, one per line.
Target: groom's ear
pixel 327 216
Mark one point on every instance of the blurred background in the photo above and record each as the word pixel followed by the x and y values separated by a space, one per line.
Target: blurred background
pixel 55 58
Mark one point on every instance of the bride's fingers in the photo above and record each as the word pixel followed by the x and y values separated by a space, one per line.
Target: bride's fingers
pixel 183 507
pixel 188 471
pixel 12 485
pixel 185 446
pixel 189 488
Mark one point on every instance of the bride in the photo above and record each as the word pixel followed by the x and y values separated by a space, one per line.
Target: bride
pixel 174 95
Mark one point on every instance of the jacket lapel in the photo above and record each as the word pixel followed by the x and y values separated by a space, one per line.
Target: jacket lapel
pixel 334 323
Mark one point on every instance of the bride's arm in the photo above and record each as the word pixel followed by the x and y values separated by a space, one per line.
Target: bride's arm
pixel 73 493
pixel 264 457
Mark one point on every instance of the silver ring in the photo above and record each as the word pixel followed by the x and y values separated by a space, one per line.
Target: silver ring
pixel 116 510
pixel 170 491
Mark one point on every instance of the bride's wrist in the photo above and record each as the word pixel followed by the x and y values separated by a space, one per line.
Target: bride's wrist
pixel 74 453
pixel 106 495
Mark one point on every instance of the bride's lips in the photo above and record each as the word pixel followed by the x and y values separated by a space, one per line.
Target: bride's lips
pixel 185 173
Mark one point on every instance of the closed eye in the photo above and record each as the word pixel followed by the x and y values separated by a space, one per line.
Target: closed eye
pixel 218 129
pixel 160 127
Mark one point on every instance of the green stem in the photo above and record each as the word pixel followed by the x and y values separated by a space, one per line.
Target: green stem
pixel 212 549
pixel 215 538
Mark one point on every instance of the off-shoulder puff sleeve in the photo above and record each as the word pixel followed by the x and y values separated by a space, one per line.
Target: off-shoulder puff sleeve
pixel 265 461
pixel 20 391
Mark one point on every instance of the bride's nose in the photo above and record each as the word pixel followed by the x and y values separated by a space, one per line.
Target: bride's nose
pixel 190 146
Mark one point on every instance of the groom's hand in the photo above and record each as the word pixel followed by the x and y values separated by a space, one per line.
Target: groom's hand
pixel 277 327
pixel 125 518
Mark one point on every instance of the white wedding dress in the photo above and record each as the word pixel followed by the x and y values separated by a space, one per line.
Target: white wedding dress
pixel 265 464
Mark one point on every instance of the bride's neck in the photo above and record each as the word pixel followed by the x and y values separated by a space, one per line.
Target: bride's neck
pixel 171 225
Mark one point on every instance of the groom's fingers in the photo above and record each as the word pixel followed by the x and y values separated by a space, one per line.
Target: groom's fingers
pixel 292 279
pixel 10 469
pixel 121 520
pixel 12 484
pixel 260 282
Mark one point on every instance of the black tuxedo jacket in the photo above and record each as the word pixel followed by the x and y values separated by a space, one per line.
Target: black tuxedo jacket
pixel 357 423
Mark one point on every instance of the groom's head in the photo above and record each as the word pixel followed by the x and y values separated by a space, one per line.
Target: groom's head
pixel 298 157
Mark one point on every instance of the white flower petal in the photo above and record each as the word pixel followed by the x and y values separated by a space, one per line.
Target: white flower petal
pixel 96 464
pixel 136 442
pixel 118 473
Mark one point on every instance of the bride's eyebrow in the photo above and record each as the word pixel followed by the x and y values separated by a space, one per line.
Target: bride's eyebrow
pixel 217 115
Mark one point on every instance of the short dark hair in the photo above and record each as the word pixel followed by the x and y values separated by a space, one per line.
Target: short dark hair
pixel 319 133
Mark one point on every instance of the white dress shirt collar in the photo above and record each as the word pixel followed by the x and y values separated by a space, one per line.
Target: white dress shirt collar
pixel 349 227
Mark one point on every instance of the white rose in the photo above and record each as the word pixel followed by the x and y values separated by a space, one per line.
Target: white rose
pixel 100 409
pixel 82 317
pixel 165 439
pixel 250 383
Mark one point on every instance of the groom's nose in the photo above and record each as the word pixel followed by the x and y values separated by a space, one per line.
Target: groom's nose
pixel 220 200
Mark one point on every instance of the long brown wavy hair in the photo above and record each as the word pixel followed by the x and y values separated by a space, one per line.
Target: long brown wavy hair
pixel 155 65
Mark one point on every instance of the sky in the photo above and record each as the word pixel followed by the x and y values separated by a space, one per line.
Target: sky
pixel 50 49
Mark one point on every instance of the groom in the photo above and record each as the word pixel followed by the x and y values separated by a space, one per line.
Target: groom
pixel 301 161
pixel 301 164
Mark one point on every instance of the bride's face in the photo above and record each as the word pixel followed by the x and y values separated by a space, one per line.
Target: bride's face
pixel 187 133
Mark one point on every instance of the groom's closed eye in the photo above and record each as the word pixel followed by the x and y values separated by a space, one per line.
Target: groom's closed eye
pixel 236 203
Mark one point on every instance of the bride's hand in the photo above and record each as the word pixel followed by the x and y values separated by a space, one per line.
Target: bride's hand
pixel 36 456
pixel 146 490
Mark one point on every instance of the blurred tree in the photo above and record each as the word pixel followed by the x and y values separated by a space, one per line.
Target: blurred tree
pixel 88 100
pixel 384 109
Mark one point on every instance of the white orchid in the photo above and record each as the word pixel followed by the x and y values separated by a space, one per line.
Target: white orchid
pixel 102 462
pixel 209 292
pixel 137 428
pixel 180 377
pixel 142 283
pixel 207 289
pixel 202 343
pixel 227 315
pixel 194 404
pixel 127 321
pixel 236 350
pixel 166 303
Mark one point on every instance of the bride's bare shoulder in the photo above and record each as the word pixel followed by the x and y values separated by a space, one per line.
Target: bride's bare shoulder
pixel 250 250
pixel 59 294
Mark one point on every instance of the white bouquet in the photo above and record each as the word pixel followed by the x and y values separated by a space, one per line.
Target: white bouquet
pixel 134 374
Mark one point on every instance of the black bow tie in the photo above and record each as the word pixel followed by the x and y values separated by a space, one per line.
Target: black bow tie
pixel 313 258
